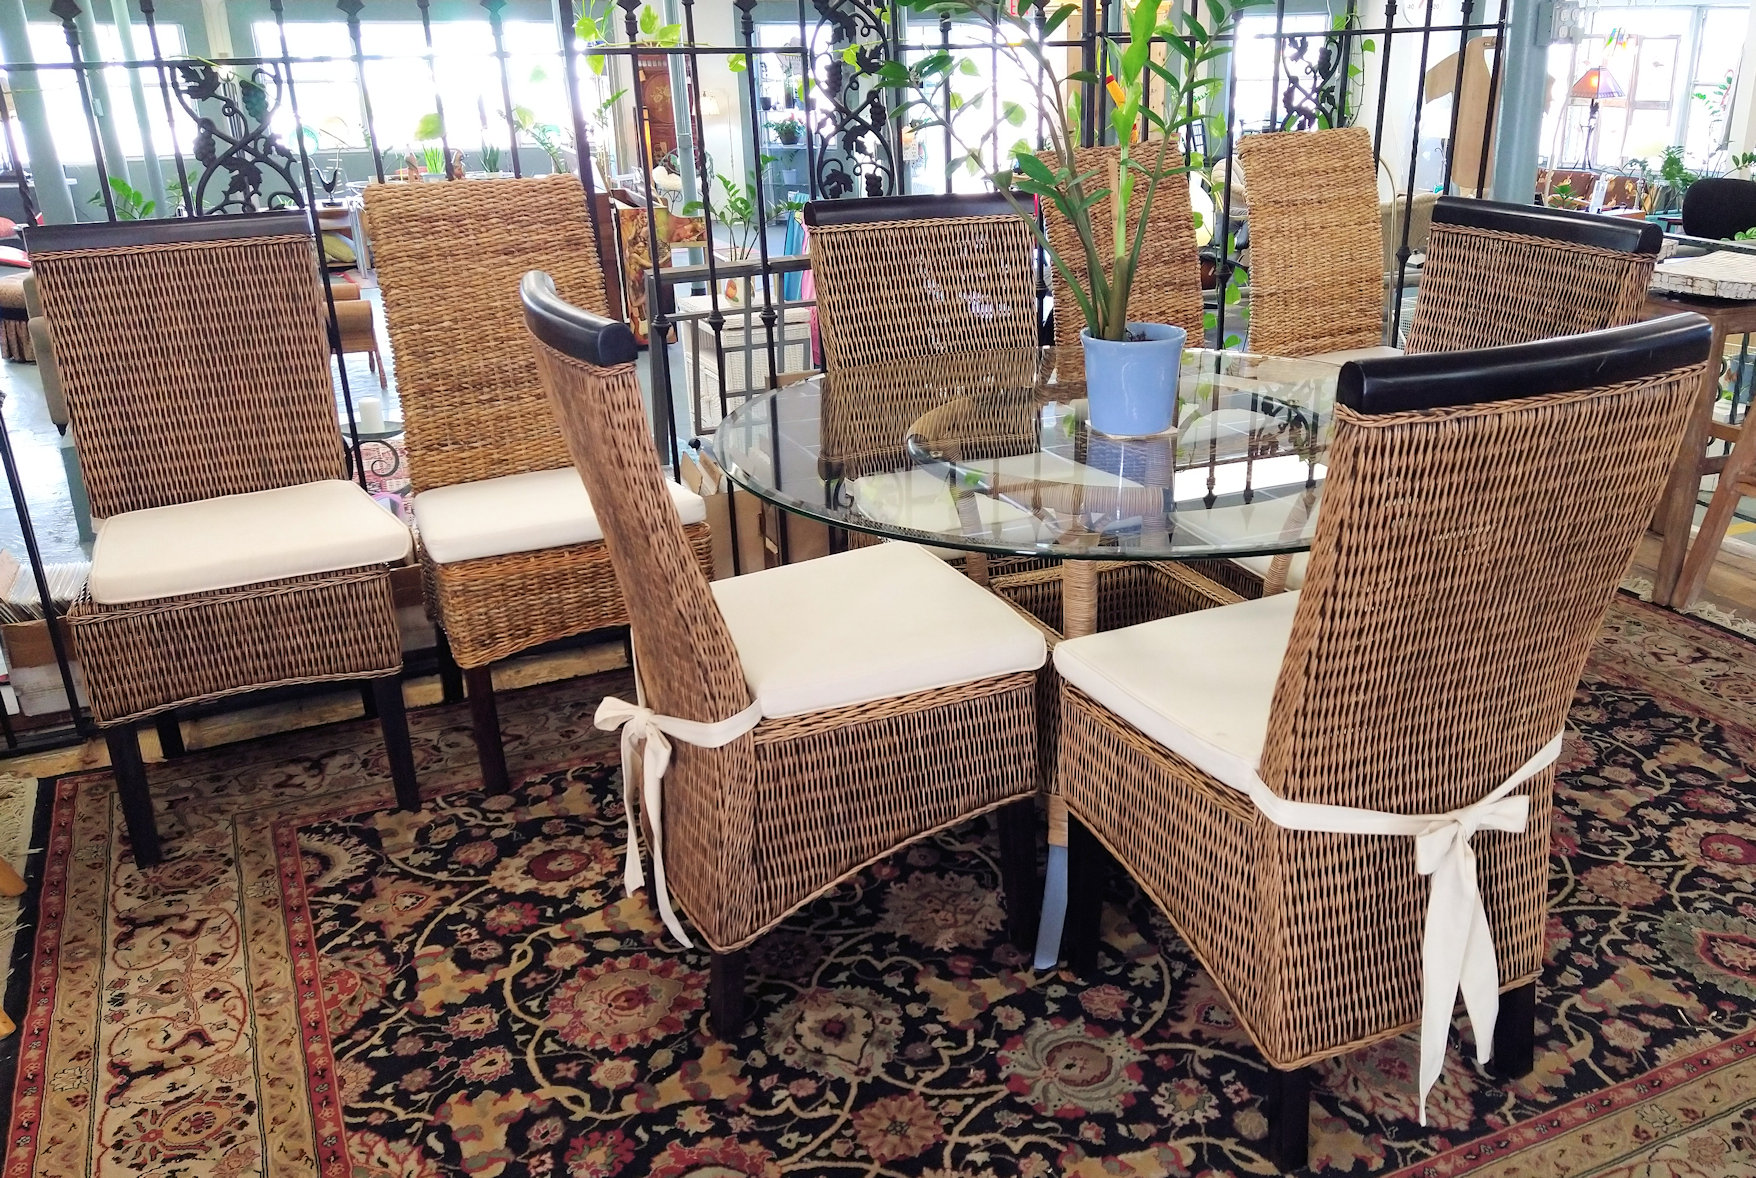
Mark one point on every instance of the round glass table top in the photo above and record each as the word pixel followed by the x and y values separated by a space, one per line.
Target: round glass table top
pixel 990 452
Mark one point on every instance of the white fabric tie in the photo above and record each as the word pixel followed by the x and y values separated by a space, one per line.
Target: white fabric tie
pixel 1457 947
pixel 644 734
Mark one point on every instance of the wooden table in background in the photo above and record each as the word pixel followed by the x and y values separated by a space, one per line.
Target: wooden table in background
pixel 1682 567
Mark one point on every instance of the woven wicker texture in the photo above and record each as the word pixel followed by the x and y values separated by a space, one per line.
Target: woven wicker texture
pixel 1167 281
pixel 897 290
pixel 449 257
pixel 152 655
pixel 1481 289
pixel 785 813
pixel 1463 564
pixel 1316 244
pixel 984 404
pixel 497 606
pixel 192 370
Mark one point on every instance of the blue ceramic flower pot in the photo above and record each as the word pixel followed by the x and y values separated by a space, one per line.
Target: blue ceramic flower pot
pixel 1131 385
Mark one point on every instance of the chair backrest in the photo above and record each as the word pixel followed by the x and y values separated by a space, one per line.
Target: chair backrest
pixel 1316 245
pixel 688 665
pixel 1719 207
pixel 449 257
pixel 1167 281
pixel 907 276
pixel 1507 273
pixel 193 355
pixel 1479 511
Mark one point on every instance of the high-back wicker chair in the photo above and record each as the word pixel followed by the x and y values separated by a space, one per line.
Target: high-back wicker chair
pixel 1506 273
pixel 511 544
pixel 821 714
pixel 906 276
pixel 1167 282
pixel 1316 243
pixel 1479 511
pixel 233 555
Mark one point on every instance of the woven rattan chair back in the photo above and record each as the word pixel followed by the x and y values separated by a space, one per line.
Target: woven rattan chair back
pixel 193 355
pixel 688 665
pixel 449 258
pixel 916 276
pixel 1504 274
pixel 1167 281
pixel 1316 243
pixel 1465 558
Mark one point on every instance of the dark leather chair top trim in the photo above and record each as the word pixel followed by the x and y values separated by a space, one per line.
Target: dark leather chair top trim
pixel 862 210
pixel 1435 380
pixel 94 235
pixel 574 331
pixel 1719 207
pixel 1591 229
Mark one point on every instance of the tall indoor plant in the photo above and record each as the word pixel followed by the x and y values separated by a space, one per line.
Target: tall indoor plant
pixel 1139 361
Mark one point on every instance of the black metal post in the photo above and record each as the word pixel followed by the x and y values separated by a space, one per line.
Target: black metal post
pixel 494 8
pixel 438 99
pixel 68 12
pixel 748 9
pixel 147 11
pixel 352 9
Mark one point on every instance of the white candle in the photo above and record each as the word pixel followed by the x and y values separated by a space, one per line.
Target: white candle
pixel 371 415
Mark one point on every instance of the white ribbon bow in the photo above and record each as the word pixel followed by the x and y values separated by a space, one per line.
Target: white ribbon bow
pixel 644 734
pixel 1457 946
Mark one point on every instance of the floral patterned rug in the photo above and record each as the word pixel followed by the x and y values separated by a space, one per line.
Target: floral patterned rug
pixel 314 983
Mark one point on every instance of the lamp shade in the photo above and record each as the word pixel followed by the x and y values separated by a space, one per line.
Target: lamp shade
pixel 1595 83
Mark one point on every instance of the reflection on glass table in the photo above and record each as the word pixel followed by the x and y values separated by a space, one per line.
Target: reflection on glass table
pixel 989 454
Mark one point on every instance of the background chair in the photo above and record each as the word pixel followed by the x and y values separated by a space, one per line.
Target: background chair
pixel 1719 207
pixel 1435 647
pixel 234 555
pixel 892 697
pixel 1167 282
pixel 906 276
pixel 1505 273
pixel 511 545
pixel 1316 243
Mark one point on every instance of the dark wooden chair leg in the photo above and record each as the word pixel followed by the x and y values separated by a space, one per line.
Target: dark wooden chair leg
pixel 450 674
pixel 130 771
pixel 393 719
pixel 1087 862
pixel 485 719
pixel 170 734
pixel 725 995
pixel 1018 870
pixel 369 698
pixel 1515 1035
pixel 1289 1118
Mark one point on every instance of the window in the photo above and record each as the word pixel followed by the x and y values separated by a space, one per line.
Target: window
pixel 60 90
pixel 1254 90
pixel 402 89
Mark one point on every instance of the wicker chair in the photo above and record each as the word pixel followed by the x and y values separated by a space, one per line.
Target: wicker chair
pixel 1167 283
pixel 914 276
pixel 1316 244
pixel 825 713
pixel 1480 510
pixel 234 556
pixel 1505 273
pixel 511 546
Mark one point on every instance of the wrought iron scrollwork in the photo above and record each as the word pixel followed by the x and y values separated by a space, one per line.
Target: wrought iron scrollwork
pixel 237 145
pixel 856 151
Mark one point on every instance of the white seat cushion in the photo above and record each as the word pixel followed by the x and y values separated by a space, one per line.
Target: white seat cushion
pixel 1199 683
pixel 519 513
pixel 1345 354
pixel 868 624
pixel 1223 524
pixel 920 500
pixel 236 540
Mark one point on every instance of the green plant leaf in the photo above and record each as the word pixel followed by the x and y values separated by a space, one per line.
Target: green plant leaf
pixel 430 126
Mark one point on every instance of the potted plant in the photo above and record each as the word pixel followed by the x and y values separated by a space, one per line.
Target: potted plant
pixel 1132 368
pixel 787 129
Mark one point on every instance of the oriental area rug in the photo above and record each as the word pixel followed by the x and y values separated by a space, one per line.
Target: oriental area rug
pixel 315 984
